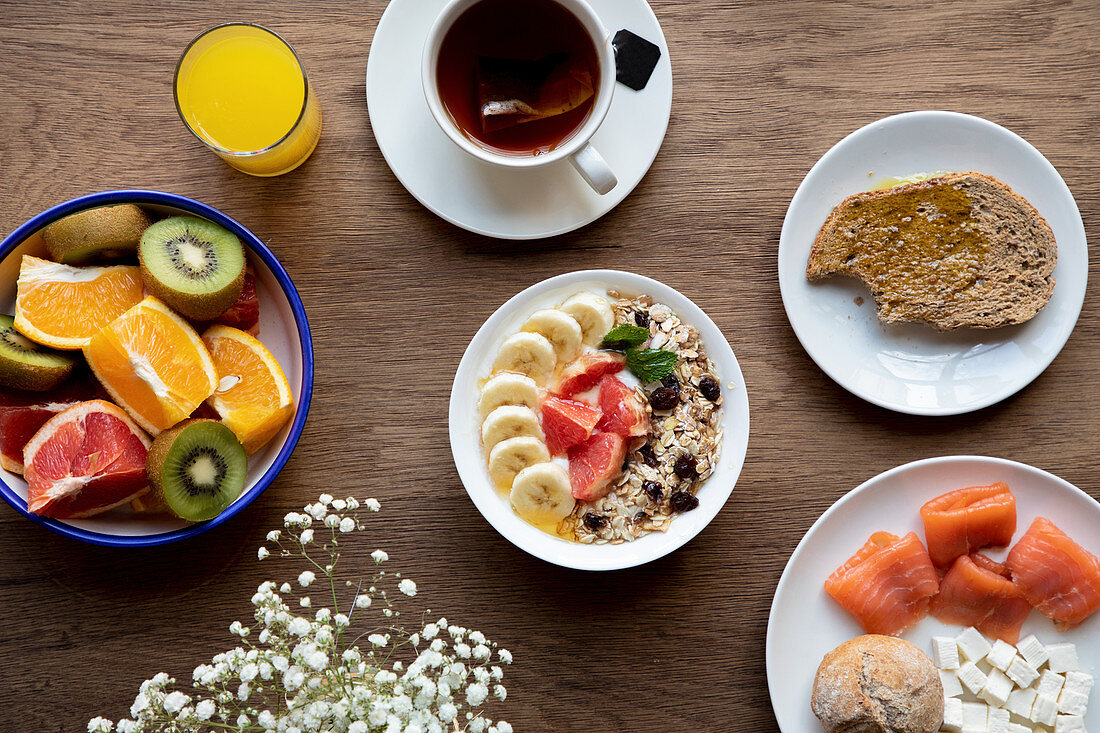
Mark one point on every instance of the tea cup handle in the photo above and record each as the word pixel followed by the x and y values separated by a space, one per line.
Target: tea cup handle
pixel 594 169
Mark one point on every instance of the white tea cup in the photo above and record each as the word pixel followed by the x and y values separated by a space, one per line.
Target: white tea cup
pixel 577 147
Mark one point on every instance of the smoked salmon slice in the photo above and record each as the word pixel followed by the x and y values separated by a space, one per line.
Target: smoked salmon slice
pixel 887 585
pixel 979 592
pixel 962 521
pixel 1056 575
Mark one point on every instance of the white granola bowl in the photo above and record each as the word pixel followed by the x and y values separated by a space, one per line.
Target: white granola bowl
pixel 465 433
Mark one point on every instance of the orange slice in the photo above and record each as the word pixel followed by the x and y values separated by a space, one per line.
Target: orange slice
pixel 63 307
pixel 253 398
pixel 154 365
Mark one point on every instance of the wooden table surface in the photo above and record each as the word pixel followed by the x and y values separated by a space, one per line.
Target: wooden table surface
pixel 394 294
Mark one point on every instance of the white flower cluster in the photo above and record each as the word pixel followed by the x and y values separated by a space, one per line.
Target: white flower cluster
pixel 307 675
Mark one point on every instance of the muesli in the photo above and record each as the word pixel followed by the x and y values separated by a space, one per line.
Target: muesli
pixel 601 418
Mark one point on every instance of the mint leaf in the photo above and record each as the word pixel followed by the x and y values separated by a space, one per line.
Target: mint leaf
pixel 624 337
pixel 650 365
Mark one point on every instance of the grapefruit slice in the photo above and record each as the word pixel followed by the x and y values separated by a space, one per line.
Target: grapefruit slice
pixel 566 423
pixel 623 411
pixel 23 413
pixel 84 461
pixel 586 371
pixel 594 463
pixel 245 313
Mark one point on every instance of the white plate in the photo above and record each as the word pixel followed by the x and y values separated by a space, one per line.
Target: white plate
pixel 805 622
pixel 910 367
pixel 464 424
pixel 494 201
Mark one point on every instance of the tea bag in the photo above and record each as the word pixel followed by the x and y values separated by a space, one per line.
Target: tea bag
pixel 515 91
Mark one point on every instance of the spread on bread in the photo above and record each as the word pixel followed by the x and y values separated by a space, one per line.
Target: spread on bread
pixel 957 250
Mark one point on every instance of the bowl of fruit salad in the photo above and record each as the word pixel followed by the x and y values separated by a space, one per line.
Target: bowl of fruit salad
pixel 599 420
pixel 156 368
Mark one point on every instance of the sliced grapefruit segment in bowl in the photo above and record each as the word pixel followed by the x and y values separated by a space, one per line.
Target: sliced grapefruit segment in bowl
pixel 565 423
pixel 23 413
pixel 84 461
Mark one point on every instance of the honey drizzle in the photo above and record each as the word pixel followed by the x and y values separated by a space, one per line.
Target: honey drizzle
pixel 913 242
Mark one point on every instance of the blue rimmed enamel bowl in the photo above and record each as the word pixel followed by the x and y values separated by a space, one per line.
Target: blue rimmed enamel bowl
pixel 283 329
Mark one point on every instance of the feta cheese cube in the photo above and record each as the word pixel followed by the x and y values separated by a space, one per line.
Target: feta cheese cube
pixel 952 715
pixel 1033 652
pixel 1001 655
pixel 1044 711
pixel 1022 673
pixel 945 652
pixel 998 720
pixel 1020 702
pixel 1069 724
pixel 1017 728
pixel 971 677
pixel 950 681
pixel 972 644
pixel 1063 658
pixel 975 716
pixel 1079 682
pixel 1050 684
pixel 1072 703
pixel 997 689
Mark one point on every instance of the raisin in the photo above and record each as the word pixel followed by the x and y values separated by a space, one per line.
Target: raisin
pixel 685 466
pixel 640 517
pixel 653 490
pixel 671 382
pixel 710 389
pixel 595 521
pixel 642 319
pixel 646 452
pixel 664 398
pixel 682 501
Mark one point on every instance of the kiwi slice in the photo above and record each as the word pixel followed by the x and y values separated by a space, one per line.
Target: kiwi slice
pixel 106 233
pixel 26 365
pixel 197 468
pixel 193 265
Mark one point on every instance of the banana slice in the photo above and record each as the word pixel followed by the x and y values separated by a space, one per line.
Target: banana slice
pixel 509 457
pixel 560 329
pixel 593 313
pixel 509 421
pixel 527 353
pixel 508 388
pixel 541 494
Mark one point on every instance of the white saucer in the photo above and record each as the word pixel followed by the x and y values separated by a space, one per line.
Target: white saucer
pixel 496 202
pixel 909 367
pixel 805 622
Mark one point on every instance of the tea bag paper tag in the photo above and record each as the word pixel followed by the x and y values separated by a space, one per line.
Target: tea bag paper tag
pixel 635 59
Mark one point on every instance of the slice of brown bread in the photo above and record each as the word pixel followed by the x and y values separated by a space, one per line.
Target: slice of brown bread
pixel 959 250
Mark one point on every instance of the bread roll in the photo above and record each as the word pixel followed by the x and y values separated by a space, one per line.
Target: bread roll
pixel 878 684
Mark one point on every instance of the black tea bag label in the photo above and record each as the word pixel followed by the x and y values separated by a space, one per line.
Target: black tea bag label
pixel 635 59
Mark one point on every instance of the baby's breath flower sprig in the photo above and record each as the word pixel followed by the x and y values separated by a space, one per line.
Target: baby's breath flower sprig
pixel 299 673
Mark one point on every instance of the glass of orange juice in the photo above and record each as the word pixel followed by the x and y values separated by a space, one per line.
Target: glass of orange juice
pixel 242 91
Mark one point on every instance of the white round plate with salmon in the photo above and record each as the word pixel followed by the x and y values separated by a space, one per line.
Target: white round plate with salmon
pixel 806 622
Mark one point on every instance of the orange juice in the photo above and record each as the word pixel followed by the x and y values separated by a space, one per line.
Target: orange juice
pixel 242 90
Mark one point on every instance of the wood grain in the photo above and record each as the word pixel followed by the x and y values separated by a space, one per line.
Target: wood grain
pixel 762 89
